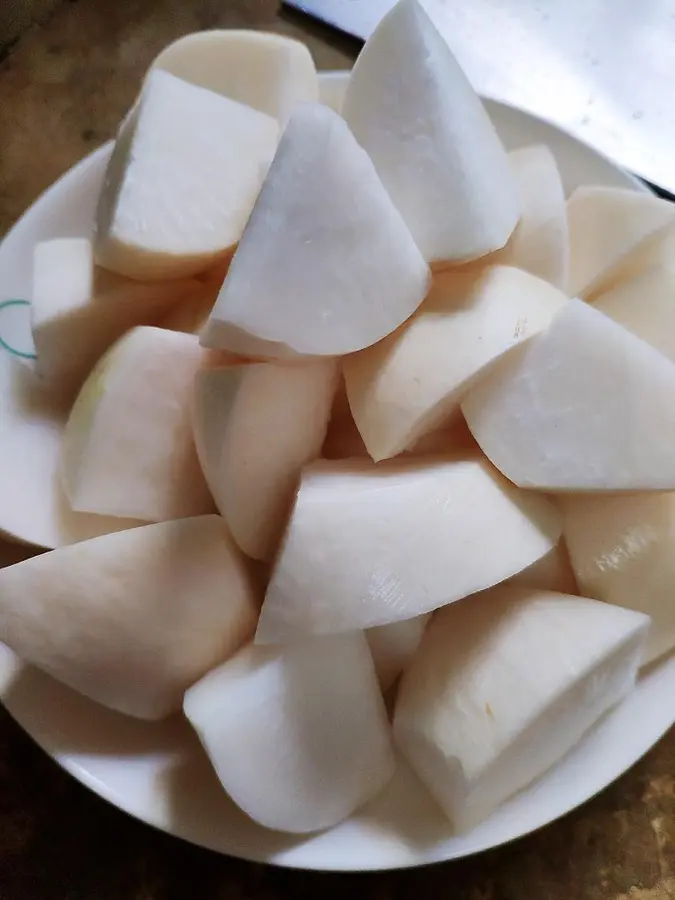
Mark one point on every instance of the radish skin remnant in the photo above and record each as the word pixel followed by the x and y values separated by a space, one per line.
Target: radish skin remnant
pixel 298 735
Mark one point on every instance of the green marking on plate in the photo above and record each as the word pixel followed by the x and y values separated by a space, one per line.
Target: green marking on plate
pixel 20 353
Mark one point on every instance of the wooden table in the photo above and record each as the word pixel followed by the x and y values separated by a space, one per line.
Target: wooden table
pixel 63 90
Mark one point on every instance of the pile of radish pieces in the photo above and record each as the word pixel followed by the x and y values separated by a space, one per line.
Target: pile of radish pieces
pixel 379 429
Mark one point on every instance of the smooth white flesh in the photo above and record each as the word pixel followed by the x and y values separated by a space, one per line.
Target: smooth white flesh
pixel 393 647
pixel 622 551
pixel 645 305
pixel 408 384
pixel 657 251
pixel 298 735
pixel 269 72
pixel 326 265
pixel 540 242
pixel 182 180
pixel 552 572
pixel 368 545
pixel 605 224
pixel 504 685
pixel 256 426
pixel 132 619
pixel 128 448
pixel 412 108
pixel 78 311
pixel 583 406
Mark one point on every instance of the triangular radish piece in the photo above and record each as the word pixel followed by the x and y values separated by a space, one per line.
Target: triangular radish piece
pixel 326 265
pixel 182 180
pixel 269 72
pixel 367 545
pixel 583 406
pixel 655 252
pixel 645 305
pixel 312 715
pixel 128 448
pixel 552 572
pixel 78 311
pixel 393 647
pixel 540 242
pixel 412 108
pixel 256 426
pixel 406 385
pixel 623 551
pixel 504 685
pixel 605 224
pixel 132 619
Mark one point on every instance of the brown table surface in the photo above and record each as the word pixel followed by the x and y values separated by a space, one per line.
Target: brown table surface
pixel 63 90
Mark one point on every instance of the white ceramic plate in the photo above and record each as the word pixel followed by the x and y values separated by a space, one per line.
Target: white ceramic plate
pixel 158 772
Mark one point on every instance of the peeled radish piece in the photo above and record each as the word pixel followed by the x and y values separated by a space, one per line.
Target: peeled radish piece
pixel 256 426
pixel 326 265
pixel 132 619
pixel 77 311
pixel 128 448
pixel 413 110
pixel 645 305
pixel 584 406
pixel 657 251
pixel 622 551
pixel 393 647
pixel 409 383
pixel 269 72
pixel 182 180
pixel 368 545
pixel 540 242
pixel 552 572
pixel 298 735
pixel 605 224
pixel 504 685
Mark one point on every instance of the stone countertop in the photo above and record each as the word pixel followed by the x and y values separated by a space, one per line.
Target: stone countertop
pixel 63 90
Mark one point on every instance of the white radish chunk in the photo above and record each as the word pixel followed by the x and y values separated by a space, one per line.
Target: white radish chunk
pixel 552 572
pixel 540 242
pixel 655 252
pixel 623 551
pixel 298 735
pixel 583 406
pixel 256 426
pixel 132 619
pixel 406 385
pixel 182 180
pixel 605 224
pixel 128 448
pixel 645 305
pixel 393 647
pixel 504 685
pixel 326 265
pixel 269 72
pixel 368 545
pixel 413 110
pixel 78 311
